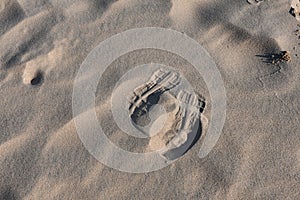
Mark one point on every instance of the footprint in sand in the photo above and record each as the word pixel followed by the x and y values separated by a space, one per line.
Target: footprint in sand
pixel 147 95
pixel 176 141
pixel 182 124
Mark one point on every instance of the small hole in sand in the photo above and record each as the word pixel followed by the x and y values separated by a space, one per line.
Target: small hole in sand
pixel 37 79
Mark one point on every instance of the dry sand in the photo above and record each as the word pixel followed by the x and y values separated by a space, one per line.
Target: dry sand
pixel 44 42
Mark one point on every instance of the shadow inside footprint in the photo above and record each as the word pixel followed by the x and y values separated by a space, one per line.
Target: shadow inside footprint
pixel 140 116
pixel 148 94
pixel 202 106
pixel 188 127
pixel 191 141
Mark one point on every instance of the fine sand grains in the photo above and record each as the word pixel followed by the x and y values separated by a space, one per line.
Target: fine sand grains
pixel 42 45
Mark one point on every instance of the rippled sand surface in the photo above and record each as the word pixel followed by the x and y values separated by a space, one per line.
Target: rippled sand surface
pixel 44 42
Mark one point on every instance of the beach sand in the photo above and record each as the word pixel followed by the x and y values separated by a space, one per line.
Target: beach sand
pixel 42 46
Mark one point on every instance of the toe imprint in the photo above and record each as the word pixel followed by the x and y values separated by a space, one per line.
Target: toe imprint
pixel 160 81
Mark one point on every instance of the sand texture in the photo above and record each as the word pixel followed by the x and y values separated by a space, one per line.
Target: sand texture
pixel 255 45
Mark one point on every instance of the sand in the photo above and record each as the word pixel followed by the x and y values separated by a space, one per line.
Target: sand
pixel 42 46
